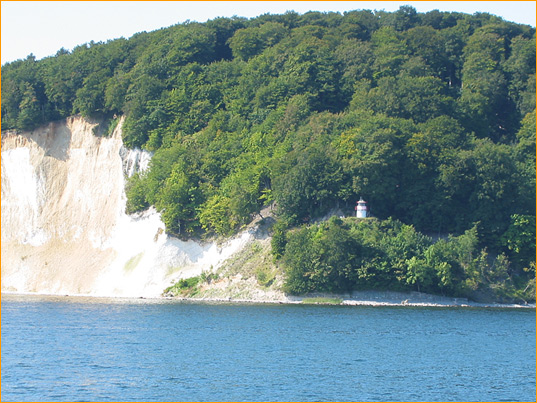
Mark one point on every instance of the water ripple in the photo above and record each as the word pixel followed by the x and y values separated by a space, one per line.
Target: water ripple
pixel 57 350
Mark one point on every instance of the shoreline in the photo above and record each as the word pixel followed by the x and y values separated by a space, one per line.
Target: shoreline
pixel 374 299
pixel 356 302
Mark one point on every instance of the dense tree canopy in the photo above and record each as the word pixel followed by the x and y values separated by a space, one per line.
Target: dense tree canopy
pixel 343 255
pixel 429 117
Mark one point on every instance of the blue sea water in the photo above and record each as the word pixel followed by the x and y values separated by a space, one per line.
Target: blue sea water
pixel 78 349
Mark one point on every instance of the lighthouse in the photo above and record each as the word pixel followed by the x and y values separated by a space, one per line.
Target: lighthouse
pixel 361 208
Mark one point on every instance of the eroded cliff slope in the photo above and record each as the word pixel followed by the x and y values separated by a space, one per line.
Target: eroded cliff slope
pixel 64 227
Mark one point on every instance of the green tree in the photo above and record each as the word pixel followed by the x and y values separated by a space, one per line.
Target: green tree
pixel 429 44
pixel 308 186
pixel 338 255
pixel 494 197
pixel 115 92
pixel 136 197
pixel 359 24
pixel 30 114
pixel 432 150
pixel 405 18
pixel 90 98
pixel 417 98
pixel 520 240
pixel 390 52
pixel 177 201
pixel 214 215
pixel 301 262
pixel 524 155
pixel 520 67
pixel 371 154
pixel 484 98
pixel 279 238
pixel 420 274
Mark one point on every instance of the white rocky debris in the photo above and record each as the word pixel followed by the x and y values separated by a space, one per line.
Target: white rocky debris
pixel 134 161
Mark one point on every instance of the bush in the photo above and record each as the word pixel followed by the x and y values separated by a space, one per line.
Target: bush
pixel 279 239
pixel 184 287
pixel 265 276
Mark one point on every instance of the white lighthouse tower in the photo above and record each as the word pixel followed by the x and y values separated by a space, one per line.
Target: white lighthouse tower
pixel 361 208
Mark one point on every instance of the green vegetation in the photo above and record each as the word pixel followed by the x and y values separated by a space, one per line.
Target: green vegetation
pixel 322 300
pixel 191 287
pixel 185 287
pixel 131 264
pixel 265 275
pixel 429 117
pixel 253 261
pixel 362 254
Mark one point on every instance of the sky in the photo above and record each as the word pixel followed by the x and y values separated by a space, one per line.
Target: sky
pixel 43 27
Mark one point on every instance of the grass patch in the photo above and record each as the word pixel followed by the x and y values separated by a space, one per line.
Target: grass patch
pixel 131 264
pixel 265 276
pixel 184 287
pixel 190 287
pixel 321 300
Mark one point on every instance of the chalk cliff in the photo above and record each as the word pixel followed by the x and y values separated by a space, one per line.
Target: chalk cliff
pixel 64 227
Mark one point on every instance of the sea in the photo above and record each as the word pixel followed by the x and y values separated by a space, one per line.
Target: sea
pixel 105 349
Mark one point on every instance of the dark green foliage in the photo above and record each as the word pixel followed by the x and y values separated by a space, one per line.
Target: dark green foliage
pixel 429 117
pixel 30 110
pixel 279 239
pixel 520 240
pixel 338 256
pixel 307 185
pixel 187 286
pixel 135 189
pixel 352 254
pixel 188 282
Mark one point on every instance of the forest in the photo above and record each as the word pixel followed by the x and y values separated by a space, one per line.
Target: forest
pixel 429 117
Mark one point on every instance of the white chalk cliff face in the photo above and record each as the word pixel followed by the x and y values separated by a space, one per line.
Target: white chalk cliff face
pixel 64 227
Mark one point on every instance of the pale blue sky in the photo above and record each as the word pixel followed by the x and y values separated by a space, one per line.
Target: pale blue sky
pixel 43 27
